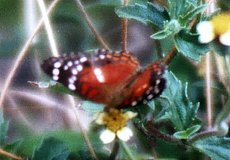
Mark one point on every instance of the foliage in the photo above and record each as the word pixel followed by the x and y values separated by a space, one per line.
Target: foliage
pixel 173 124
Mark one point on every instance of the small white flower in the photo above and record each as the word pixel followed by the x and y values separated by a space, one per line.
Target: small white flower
pixel 115 122
pixel 217 27
pixel 225 38
pixel 107 136
pixel 124 134
pixel 206 32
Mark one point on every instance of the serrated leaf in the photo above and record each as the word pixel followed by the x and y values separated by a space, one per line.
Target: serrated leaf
pixel 172 27
pixel 188 45
pixel 215 147
pixel 183 20
pixel 187 133
pixel 51 149
pixel 161 34
pixel 177 8
pixel 181 110
pixel 53 85
pixel 156 16
pixel 149 14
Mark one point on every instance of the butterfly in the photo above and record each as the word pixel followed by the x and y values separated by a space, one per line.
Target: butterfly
pixel 111 78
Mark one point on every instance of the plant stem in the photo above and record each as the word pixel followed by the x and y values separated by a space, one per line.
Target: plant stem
pixel 127 151
pixel 88 21
pixel 124 30
pixel 201 135
pixel 115 150
pixel 48 28
pixel 172 53
pixel 83 131
pixel 10 155
pixel 208 89
pixel 161 135
pixel 226 110
pixel 227 69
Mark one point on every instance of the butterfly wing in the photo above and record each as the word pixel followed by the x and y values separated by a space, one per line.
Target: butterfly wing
pixel 98 79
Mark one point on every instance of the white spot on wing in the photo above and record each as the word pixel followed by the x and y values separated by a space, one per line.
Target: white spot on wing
pixel 74 71
pixel 66 67
pixel 55 78
pixel 70 63
pixel 55 72
pixel 134 103
pixel 83 59
pixel 79 68
pixel 57 64
pixel 99 75
pixel 71 86
pixel 150 97
pixel 158 82
pixel 102 56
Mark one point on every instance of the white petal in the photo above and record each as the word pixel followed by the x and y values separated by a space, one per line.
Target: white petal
pixel 124 134
pixel 107 136
pixel 130 115
pixel 99 118
pixel 205 29
pixel 225 38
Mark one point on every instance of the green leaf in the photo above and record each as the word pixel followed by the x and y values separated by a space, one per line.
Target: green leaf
pixel 187 133
pixel 161 34
pixel 183 20
pixel 156 16
pixel 92 107
pixel 53 85
pixel 181 110
pixel 149 14
pixel 52 149
pixel 188 45
pixel 177 8
pixel 70 137
pixel 220 48
pixel 215 147
pixel 171 28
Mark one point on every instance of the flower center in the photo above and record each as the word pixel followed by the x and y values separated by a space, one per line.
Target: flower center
pixel 115 120
pixel 221 23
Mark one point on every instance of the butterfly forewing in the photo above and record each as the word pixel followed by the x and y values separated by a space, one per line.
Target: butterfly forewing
pixel 98 78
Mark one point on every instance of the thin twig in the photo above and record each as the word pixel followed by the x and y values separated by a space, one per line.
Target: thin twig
pixel 208 89
pixel 10 155
pixel 161 135
pixel 82 128
pixel 124 30
pixel 124 34
pixel 48 28
pixel 115 150
pixel 201 135
pixel 22 54
pixel 86 17
pixel 208 78
pixel 172 53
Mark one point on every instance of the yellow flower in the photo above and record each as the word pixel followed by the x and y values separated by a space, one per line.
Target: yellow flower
pixel 115 122
pixel 218 26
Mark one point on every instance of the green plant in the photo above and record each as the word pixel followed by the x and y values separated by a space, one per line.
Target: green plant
pixel 185 122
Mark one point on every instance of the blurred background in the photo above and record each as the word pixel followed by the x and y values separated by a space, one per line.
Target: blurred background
pixel 33 110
